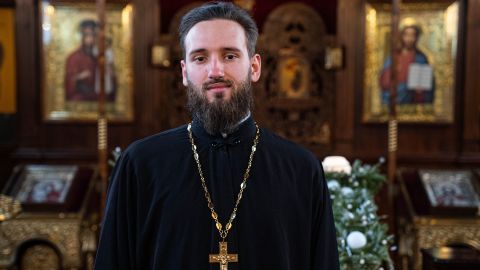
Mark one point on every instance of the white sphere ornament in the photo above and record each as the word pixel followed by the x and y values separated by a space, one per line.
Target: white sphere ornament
pixel 356 240
pixel 337 164
pixel 333 185
pixel 347 191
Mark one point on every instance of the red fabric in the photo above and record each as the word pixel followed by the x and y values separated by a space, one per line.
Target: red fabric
pixel 404 61
pixel 77 62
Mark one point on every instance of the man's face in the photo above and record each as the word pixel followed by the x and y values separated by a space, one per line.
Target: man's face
pixel 88 37
pixel 409 38
pixel 217 61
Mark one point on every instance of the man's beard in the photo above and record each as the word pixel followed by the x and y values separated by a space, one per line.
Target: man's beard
pixel 89 50
pixel 220 116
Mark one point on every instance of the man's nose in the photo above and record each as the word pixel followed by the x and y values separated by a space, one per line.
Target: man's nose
pixel 216 68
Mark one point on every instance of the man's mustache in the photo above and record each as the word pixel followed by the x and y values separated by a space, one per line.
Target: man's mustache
pixel 206 85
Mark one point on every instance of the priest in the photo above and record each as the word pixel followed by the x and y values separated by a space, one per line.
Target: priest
pixel 219 192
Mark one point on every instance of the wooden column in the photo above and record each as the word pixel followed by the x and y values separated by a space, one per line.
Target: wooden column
pixel 102 116
pixel 349 34
pixel 392 121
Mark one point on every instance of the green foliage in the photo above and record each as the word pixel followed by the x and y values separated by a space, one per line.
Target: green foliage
pixel 366 176
pixel 354 209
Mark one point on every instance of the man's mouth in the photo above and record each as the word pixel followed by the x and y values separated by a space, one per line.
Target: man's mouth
pixel 218 87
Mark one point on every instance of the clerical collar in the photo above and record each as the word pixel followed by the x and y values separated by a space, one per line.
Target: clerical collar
pixel 225 135
pixel 246 129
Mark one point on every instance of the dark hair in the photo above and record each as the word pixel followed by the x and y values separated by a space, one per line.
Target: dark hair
pixel 87 24
pixel 220 10
pixel 417 29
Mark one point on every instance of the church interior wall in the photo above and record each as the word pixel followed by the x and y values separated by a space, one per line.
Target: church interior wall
pixel 35 140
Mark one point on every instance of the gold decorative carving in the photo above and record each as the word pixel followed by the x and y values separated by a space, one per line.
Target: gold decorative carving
pixel 442 235
pixel 62 238
pixel 40 257
pixel 295 94
pixel 64 234
pixel 423 231
pixel 436 232
pixel 9 207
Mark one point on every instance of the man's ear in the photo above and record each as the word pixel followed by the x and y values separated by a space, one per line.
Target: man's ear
pixel 256 67
pixel 184 73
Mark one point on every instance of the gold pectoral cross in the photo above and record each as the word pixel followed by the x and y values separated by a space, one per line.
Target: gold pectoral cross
pixel 223 258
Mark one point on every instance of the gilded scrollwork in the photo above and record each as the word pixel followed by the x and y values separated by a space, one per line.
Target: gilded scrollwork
pixel 63 234
pixel 429 233
pixel 40 257
pixel 9 207
pixel 295 93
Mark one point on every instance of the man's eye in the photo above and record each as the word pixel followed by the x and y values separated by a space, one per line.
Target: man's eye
pixel 199 59
pixel 230 56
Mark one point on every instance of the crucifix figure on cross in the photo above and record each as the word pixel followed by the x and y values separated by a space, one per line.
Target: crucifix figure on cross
pixel 223 258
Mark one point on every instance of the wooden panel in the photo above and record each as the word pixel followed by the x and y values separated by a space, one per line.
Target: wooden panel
pixel 471 129
pixel 28 94
pixel 348 34
pixel 457 144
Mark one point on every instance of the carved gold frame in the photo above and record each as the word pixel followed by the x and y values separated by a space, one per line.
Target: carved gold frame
pixel 59 22
pixel 439 24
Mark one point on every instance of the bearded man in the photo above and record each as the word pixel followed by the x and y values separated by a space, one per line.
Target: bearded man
pixel 219 192
pixel 81 65
pixel 407 54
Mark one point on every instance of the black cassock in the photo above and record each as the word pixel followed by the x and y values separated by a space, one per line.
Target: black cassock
pixel 157 217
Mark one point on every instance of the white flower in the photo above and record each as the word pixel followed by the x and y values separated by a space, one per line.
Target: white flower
pixel 347 191
pixel 333 185
pixel 356 240
pixel 336 164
